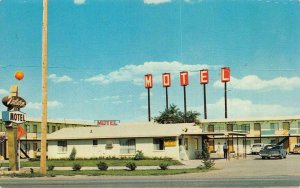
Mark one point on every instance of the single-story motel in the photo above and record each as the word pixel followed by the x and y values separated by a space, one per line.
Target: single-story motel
pixel 178 141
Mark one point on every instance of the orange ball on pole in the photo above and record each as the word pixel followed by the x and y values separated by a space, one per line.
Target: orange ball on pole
pixel 19 75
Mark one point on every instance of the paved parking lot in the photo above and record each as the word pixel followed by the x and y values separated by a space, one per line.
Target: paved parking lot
pixel 254 166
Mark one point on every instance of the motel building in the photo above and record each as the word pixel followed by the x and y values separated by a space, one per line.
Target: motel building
pixel 184 141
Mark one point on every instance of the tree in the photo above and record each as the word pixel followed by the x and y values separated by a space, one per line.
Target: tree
pixel 174 115
pixel 73 154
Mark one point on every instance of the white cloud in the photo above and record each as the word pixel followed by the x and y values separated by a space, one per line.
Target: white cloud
pixel 38 106
pixel 155 2
pixel 110 99
pixel 56 79
pixel 253 82
pixel 3 92
pixel 135 73
pixel 239 108
pixel 107 98
pixel 79 2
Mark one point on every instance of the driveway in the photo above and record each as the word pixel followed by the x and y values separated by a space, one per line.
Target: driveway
pixel 254 166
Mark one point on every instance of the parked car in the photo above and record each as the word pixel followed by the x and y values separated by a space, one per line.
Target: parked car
pixel 255 148
pixel 296 148
pixel 273 151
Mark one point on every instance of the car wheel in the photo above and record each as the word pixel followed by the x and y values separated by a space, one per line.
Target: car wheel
pixel 263 157
pixel 269 157
pixel 280 157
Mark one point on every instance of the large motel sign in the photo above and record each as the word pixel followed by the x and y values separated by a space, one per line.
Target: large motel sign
pixel 204 78
pixel 148 79
pixel 225 77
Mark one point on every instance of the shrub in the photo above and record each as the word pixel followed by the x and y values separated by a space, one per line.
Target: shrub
pixel 208 163
pixel 73 154
pixel 102 166
pixel 163 166
pixel 131 166
pixel 51 167
pixel 139 155
pixel 76 167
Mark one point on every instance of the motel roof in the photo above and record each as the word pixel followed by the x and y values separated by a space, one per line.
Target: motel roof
pixel 142 130
pixel 258 119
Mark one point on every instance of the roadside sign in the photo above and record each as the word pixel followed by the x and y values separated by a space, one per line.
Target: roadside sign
pixel 204 76
pixel 148 81
pixel 166 79
pixel 21 131
pixel 184 78
pixel 13 116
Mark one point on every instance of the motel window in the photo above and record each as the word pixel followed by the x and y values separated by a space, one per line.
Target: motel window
pixel 246 128
pixel 230 127
pixel 286 126
pixel 35 146
pixel 95 142
pixel 298 125
pixel 257 126
pixel 127 146
pixel 158 144
pixel 48 131
pixel 35 128
pixel 58 128
pixel 210 128
pixel 53 128
pixel 62 146
pixel 274 126
pixel 219 128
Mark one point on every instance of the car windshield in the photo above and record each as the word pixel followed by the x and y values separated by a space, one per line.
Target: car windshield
pixel 271 147
pixel 256 146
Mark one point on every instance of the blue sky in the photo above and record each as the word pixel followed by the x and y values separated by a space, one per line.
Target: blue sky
pixel 100 50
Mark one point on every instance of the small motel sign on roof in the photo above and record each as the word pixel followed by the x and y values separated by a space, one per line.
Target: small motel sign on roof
pixel 107 122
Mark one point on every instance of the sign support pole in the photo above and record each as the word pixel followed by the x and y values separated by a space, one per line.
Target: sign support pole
pixel 167 102
pixel 184 96
pixel 12 136
pixel 149 110
pixel 205 110
pixel 44 87
pixel 225 96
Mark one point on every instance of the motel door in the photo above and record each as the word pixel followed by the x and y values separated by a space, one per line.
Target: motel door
pixel 230 145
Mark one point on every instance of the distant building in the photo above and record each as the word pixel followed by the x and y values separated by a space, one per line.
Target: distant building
pixel 268 130
pixel 31 142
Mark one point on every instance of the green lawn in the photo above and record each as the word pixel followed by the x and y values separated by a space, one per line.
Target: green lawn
pixel 126 172
pixel 109 162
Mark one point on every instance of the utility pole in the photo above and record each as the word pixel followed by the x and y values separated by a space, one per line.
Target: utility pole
pixel 44 87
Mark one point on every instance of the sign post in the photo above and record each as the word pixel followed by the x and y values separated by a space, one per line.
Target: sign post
pixel 12 116
pixel 44 88
pixel 148 86
pixel 204 80
pixel 166 81
pixel 184 81
pixel 225 77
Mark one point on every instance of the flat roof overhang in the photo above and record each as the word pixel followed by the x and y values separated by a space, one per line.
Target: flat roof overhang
pixel 220 134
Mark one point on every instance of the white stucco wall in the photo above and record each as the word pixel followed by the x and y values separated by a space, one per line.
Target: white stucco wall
pixel 85 149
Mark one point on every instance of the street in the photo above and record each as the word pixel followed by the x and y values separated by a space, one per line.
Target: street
pixel 250 172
